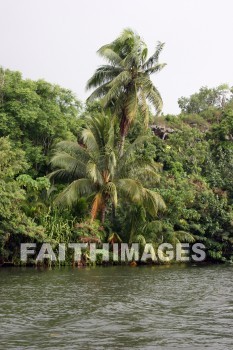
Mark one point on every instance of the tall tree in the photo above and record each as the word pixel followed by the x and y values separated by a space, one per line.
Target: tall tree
pixel 124 84
pixel 206 98
pixel 36 115
pixel 15 225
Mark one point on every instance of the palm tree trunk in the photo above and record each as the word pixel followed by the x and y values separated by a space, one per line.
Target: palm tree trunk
pixel 121 145
pixel 131 236
pixel 103 213
pixel 124 127
pixel 113 212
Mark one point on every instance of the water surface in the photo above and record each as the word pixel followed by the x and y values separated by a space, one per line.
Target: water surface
pixel 147 308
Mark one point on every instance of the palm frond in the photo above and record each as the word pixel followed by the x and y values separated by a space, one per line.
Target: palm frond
pixel 152 202
pixel 59 174
pixel 146 174
pixel 98 93
pixel 89 140
pixel 110 144
pixel 144 109
pixel 154 58
pixel 183 236
pixel 110 55
pixel 97 126
pixel 72 165
pixel 111 163
pixel 116 86
pixel 131 189
pixel 103 75
pixel 131 104
pixel 74 191
pixel 93 173
pixel 155 99
pixel 74 149
pixel 156 68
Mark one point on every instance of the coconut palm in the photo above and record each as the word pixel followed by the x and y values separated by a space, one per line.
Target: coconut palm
pixel 124 84
pixel 94 169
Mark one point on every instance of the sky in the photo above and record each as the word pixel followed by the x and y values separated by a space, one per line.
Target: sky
pixel 57 40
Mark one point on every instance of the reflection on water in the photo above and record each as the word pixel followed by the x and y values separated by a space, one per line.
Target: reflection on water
pixel 173 307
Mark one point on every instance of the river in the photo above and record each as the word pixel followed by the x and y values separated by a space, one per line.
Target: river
pixel 167 307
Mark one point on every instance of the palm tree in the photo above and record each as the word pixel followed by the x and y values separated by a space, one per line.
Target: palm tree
pixel 94 169
pixel 124 84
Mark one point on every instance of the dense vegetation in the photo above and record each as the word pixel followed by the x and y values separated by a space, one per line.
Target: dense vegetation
pixel 115 169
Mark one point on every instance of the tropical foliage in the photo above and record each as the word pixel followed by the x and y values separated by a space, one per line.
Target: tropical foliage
pixel 98 173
